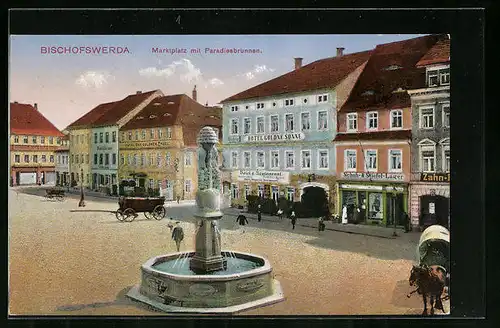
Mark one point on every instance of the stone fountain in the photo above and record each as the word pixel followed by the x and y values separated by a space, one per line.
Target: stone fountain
pixel 208 280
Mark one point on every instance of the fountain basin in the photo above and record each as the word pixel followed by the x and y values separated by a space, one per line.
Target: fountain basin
pixel 169 285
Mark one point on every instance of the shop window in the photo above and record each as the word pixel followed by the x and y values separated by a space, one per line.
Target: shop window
pixel 375 206
pixel 290 192
pixel 260 190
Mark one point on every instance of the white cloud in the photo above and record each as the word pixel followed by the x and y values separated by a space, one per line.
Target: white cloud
pixel 184 68
pixel 380 35
pixel 258 69
pixel 93 79
pixel 215 82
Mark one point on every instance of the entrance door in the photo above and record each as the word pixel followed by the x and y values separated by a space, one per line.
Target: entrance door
pixel 395 209
pixel 18 178
pixel 434 210
pixel 275 193
pixel 142 182
pixel 169 190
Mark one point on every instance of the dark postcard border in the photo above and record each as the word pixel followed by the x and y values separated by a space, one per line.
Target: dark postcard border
pixel 467 132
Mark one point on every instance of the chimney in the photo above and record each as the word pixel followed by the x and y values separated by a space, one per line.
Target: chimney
pixel 15 102
pixel 36 106
pixel 138 92
pixel 206 104
pixel 194 93
pixel 298 62
pixel 340 51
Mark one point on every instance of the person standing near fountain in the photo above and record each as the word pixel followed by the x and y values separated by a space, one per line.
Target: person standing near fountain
pixel 178 235
pixel 293 218
pixel 242 220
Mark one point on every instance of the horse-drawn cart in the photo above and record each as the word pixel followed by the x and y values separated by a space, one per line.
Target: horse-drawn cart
pixel 152 207
pixel 54 193
pixel 434 247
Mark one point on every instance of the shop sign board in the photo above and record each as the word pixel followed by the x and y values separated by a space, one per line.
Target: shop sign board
pixel 373 176
pixel 274 137
pixel 435 177
pixel 263 176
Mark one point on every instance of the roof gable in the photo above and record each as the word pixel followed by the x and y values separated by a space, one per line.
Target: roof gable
pixel 438 54
pixel 25 119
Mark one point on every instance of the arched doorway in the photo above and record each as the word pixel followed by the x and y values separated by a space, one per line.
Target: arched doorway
pixel 314 201
pixel 434 209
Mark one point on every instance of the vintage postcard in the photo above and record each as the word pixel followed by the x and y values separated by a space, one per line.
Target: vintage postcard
pixel 229 174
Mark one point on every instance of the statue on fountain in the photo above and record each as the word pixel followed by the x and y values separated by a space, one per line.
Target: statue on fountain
pixel 208 255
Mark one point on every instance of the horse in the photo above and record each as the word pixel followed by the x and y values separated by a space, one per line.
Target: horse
pixel 430 281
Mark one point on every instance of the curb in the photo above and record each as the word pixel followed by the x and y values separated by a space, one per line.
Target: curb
pixel 315 227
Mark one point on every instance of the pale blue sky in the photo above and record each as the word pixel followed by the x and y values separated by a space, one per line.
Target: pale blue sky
pixel 66 86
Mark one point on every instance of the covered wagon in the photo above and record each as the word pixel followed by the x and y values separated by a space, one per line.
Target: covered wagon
pixel 434 247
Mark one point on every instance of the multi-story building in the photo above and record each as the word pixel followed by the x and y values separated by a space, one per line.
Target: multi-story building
pixel 81 135
pixel 430 185
pixel 104 151
pixel 373 143
pixel 62 162
pixel 33 140
pixel 158 147
pixel 277 135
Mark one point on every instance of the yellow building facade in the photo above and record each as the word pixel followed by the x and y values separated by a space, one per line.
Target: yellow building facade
pixel 32 159
pixel 79 156
pixel 157 159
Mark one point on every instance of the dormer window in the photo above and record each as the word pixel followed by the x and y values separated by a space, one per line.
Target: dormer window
pixel 170 103
pixel 288 102
pixel 392 67
pixel 152 116
pixel 234 108
pixel 322 98
pixel 438 77
pixel 274 104
pixel 156 104
pixel 368 93
pixel 260 105
pixel 167 114
pixel 139 118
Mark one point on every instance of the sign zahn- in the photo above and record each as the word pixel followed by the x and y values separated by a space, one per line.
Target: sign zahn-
pixel 435 177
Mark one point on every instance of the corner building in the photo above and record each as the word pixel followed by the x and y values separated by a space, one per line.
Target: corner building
pixel 277 136
pixel 158 147
pixel 430 183
pixel 33 142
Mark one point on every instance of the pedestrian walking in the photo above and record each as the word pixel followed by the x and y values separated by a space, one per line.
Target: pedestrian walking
pixel 242 220
pixel 321 224
pixel 259 213
pixel 293 218
pixel 344 214
pixel 177 235
pixel 407 222
pixel 178 199
pixel 280 214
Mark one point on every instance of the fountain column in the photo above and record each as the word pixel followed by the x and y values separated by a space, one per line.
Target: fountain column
pixel 208 257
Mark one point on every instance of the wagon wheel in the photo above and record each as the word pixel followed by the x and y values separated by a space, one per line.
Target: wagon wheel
pixel 148 215
pixel 119 215
pixel 159 212
pixel 129 215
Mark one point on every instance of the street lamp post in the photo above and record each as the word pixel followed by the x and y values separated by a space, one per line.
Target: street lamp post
pixel 82 196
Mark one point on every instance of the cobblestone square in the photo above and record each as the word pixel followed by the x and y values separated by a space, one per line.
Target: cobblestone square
pixel 63 262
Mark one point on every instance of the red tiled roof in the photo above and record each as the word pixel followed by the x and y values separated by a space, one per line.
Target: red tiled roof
pixel 438 54
pixel 379 77
pixel 25 119
pixel 92 115
pixel 378 135
pixel 109 113
pixel 323 73
pixel 121 108
pixel 176 110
